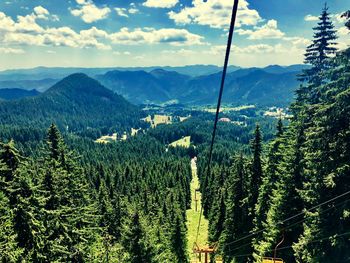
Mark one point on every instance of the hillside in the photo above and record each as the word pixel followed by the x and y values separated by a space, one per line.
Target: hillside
pixel 195 84
pixel 252 85
pixel 76 103
pixel 13 94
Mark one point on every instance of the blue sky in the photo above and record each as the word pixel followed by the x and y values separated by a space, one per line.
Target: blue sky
pixel 106 33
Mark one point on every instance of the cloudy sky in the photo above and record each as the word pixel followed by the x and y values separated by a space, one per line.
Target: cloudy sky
pixel 104 33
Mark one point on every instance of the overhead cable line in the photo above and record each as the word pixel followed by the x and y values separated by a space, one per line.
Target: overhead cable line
pixel 292 217
pixel 227 56
pixel 291 226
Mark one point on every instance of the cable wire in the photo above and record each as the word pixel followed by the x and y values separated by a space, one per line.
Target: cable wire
pixel 292 217
pixel 227 56
pixel 289 227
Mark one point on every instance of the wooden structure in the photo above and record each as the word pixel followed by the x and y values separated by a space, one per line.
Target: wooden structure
pixel 206 252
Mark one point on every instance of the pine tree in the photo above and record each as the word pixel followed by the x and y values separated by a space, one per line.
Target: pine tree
pixel 217 216
pixel 9 250
pixel 269 181
pixel 317 55
pixel 285 201
pixel 134 241
pixel 327 156
pixel 256 169
pixel 178 239
pixel 27 205
pixel 10 156
pixel 236 224
pixel 69 210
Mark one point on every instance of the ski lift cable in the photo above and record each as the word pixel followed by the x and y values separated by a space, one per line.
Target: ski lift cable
pixel 311 242
pixel 292 217
pixel 289 227
pixel 227 56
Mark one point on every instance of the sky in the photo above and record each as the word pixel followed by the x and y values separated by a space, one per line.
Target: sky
pixel 111 33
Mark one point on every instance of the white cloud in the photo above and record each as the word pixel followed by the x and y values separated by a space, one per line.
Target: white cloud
pixel 41 12
pixel 89 12
pixel 172 36
pixel 343 31
pixel 215 13
pixel 133 10
pixel 26 31
pixel 8 50
pixel 160 3
pixel 310 18
pixel 55 18
pixel 125 53
pixel 181 52
pixel 267 31
pixel 121 11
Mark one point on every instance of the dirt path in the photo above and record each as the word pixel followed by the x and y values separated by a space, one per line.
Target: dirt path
pixel 193 215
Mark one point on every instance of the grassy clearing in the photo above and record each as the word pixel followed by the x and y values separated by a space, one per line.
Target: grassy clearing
pixel 193 217
pixel 107 138
pixel 184 142
pixel 158 119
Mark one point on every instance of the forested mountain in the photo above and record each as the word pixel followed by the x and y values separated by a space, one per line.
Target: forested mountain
pixel 274 84
pixel 243 86
pixel 13 94
pixel 76 104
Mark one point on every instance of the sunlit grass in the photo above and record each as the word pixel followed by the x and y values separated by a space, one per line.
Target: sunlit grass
pixel 193 218
pixel 184 142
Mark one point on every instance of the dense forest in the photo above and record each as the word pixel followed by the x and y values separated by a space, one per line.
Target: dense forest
pixel 65 198
pixel 295 189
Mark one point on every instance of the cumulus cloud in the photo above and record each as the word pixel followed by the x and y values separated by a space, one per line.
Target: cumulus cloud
pixel 268 31
pixel 124 12
pixel 89 12
pixel 215 13
pixel 310 18
pixel 172 36
pixel 125 53
pixel 8 50
pixel 121 11
pixel 160 3
pixel 27 31
pixel 181 52
pixel 41 12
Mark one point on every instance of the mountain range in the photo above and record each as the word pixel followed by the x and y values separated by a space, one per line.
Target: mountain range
pixel 76 103
pixel 272 85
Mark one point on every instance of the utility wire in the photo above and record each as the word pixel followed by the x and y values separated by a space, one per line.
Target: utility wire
pixel 290 218
pixel 227 56
pixel 289 227
pixel 311 242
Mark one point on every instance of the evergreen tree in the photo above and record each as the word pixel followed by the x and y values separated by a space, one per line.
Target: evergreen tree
pixel 179 241
pixel 10 156
pixel 69 210
pixel 317 55
pixel 9 250
pixel 326 157
pixel 236 224
pixel 134 241
pixel 256 169
pixel 269 181
pixel 285 201
pixel 27 205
